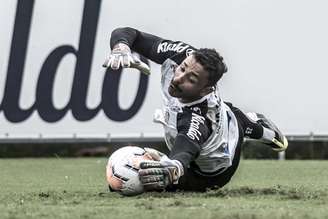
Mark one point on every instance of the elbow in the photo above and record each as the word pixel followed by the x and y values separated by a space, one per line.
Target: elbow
pixel 123 30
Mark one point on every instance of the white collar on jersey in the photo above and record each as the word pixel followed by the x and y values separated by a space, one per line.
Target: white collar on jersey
pixel 196 101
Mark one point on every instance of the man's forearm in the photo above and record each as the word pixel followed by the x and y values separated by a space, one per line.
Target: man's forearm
pixel 184 151
pixel 143 43
pixel 125 35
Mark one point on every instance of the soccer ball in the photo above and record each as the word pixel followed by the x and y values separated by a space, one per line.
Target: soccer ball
pixel 122 170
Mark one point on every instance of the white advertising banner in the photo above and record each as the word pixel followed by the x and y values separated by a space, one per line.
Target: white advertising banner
pixel 53 86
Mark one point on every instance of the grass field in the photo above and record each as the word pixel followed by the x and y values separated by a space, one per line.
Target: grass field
pixel 76 188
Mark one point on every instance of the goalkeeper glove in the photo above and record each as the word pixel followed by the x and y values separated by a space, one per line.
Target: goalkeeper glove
pixel 121 56
pixel 157 175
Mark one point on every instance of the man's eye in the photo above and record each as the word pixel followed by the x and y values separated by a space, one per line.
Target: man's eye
pixel 192 80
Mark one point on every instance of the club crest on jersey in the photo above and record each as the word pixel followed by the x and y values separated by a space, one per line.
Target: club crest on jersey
pixel 196 109
pixel 176 47
pixel 189 52
pixel 193 132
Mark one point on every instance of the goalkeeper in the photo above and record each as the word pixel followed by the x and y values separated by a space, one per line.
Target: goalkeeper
pixel 203 133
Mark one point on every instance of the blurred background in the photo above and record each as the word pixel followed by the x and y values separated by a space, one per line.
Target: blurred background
pixel 57 100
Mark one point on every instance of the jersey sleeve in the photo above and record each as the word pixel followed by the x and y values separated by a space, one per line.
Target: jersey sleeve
pixel 193 130
pixel 150 46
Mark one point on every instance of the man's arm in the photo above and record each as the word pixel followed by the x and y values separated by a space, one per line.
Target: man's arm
pixel 150 46
pixel 140 42
pixel 193 131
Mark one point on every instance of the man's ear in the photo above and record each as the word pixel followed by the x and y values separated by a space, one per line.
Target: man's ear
pixel 206 90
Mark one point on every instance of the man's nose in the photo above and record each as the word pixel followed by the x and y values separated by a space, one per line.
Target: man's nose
pixel 178 79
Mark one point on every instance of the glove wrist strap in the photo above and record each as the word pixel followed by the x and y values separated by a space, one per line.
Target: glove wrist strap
pixel 122 46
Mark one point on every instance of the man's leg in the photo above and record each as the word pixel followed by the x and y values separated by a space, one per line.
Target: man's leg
pixel 257 126
pixel 271 135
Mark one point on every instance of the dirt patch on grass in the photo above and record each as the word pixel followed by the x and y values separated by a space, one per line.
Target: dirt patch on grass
pixel 297 193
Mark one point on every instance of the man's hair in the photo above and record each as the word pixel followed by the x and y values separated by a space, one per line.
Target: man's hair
pixel 212 62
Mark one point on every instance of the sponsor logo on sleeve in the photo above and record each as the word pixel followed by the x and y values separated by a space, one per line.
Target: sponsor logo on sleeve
pixel 175 47
pixel 193 132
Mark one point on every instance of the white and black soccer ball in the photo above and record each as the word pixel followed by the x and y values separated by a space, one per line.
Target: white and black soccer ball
pixel 122 170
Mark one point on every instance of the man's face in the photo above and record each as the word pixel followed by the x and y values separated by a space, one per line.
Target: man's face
pixel 190 81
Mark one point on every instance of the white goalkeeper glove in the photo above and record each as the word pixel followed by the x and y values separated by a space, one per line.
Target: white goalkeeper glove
pixel 157 175
pixel 121 56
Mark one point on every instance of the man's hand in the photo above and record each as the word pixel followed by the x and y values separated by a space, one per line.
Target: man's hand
pixel 157 175
pixel 121 56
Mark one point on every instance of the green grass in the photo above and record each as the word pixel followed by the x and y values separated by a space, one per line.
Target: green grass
pixel 76 188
